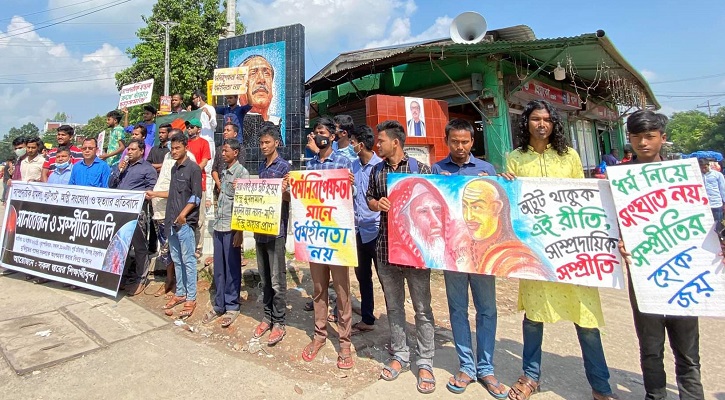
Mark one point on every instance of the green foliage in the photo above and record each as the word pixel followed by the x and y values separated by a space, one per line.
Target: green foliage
pixel 59 117
pixel 94 126
pixel 688 129
pixel 192 48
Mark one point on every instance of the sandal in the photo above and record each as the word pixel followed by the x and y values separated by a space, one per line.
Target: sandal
pixel 361 327
pixel 174 301
pixel 210 316
pixel 278 333
pixel 494 387
pixel 523 388
pixel 161 291
pixel 394 373
pixel 261 329
pixel 188 309
pixel 422 380
pixel 310 351
pixel 229 318
pixel 459 382
pixel 344 359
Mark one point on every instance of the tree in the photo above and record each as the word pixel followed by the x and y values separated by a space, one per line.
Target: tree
pixel 715 139
pixel 59 117
pixel 193 48
pixel 93 127
pixel 687 129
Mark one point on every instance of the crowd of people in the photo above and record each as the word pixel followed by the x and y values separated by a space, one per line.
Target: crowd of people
pixel 171 172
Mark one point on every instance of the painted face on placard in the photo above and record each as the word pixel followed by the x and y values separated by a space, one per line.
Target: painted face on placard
pixel 481 208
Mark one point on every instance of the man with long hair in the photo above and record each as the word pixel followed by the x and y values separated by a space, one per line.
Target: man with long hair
pixel 544 153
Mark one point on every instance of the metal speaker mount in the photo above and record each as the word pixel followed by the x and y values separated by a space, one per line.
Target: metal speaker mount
pixel 468 28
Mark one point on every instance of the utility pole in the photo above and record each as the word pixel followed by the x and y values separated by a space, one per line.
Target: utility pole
pixel 167 25
pixel 709 107
pixel 231 18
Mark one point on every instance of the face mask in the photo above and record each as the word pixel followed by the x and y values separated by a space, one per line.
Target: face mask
pixel 322 141
pixel 63 165
pixel 355 149
pixel 168 144
pixel 20 152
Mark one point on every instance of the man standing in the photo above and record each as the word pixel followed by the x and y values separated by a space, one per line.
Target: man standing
pixel 647 134
pixel 460 161
pixel 612 158
pixel 219 165
pixel 715 188
pixel 149 117
pixel 234 114
pixel 544 153
pixel 182 215
pixel 391 142
pixel 327 160
pixel 199 147
pixel 91 171
pixel 271 249
pixel 65 138
pixel 260 87
pixel 62 166
pixel 177 104
pixel 416 126
pixel 30 166
pixel 367 224
pixel 115 139
pixel 227 243
pixel 134 173
pixel 158 153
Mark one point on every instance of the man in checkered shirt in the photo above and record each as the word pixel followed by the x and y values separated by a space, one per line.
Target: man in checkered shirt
pixel 390 145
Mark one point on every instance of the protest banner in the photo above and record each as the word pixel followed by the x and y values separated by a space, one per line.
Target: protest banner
pixel 559 230
pixel 136 93
pixel 70 234
pixel 668 228
pixel 323 217
pixel 164 105
pixel 257 205
pixel 229 81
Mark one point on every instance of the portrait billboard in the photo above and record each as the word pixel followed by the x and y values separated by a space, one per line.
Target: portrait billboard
pixel 414 117
pixel 274 60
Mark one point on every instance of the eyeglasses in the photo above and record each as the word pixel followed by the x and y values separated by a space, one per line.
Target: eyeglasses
pixel 88 148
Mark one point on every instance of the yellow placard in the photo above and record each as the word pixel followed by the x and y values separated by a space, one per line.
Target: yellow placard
pixel 257 206
pixel 229 81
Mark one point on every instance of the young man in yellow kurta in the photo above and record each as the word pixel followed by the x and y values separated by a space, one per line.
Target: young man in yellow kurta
pixel 544 153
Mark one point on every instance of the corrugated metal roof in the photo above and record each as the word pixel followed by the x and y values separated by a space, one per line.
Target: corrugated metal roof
pixel 589 52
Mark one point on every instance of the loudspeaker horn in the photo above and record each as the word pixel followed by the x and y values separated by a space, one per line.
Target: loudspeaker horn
pixel 468 28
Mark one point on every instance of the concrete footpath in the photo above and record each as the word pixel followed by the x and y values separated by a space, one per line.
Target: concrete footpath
pixel 64 344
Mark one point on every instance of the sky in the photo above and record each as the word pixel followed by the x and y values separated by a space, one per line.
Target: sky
pixel 55 59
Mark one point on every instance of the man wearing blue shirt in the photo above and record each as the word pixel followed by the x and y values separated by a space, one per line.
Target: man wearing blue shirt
pixel 715 188
pixel 91 171
pixel 234 113
pixel 62 167
pixel 460 161
pixel 367 224
pixel 135 173
pixel 149 121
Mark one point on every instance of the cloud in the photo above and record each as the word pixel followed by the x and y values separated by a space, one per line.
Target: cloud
pixel 400 32
pixel 30 93
pixel 342 24
pixel 649 75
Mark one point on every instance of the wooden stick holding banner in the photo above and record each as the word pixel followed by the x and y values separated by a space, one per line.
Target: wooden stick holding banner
pixel 323 217
pixel 257 206
pixel 668 228
pixel 71 234
pixel 558 230
pixel 228 81
pixel 135 94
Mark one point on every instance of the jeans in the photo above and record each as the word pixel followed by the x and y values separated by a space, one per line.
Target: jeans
pixel 393 279
pixel 227 272
pixel 717 214
pixel 364 273
pixel 483 289
pixel 273 271
pixel 595 365
pixel 182 246
pixel 684 337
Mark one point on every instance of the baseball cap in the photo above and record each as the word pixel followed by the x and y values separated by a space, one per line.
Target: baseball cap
pixel 194 122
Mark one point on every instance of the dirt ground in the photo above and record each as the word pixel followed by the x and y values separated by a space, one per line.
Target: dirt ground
pixel 370 349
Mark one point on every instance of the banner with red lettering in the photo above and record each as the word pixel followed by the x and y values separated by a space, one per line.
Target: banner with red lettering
pixel 668 228
pixel 323 219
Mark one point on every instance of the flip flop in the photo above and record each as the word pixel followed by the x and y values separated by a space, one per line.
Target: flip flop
pixel 463 379
pixel 361 327
pixel 345 360
pixel 310 351
pixel 493 383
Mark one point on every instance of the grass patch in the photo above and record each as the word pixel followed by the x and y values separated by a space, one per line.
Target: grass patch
pixel 250 253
